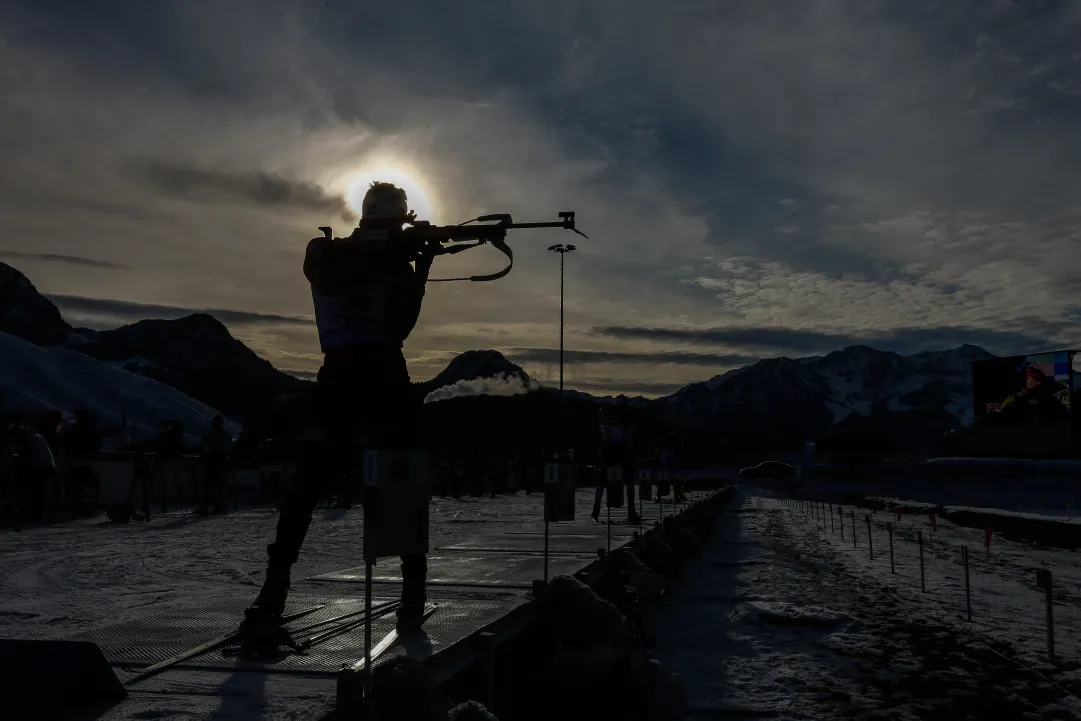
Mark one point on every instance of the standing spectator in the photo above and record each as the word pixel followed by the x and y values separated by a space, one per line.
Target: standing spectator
pixel 49 425
pixel 671 458
pixel 81 444
pixel 8 487
pixel 216 454
pixel 615 434
pixel 35 470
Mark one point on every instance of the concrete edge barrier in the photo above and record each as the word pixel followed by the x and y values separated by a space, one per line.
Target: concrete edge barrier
pixel 527 663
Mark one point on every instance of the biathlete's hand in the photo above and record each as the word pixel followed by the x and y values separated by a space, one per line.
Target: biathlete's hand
pixel 430 249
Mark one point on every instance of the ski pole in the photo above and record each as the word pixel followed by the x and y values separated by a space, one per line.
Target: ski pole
pixel 351 614
pixel 329 633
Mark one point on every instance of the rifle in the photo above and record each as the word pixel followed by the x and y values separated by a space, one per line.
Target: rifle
pixel 450 239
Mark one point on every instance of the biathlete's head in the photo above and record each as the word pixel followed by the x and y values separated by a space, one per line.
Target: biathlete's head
pixel 385 202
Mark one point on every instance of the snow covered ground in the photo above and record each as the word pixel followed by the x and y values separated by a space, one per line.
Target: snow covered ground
pixel 58 581
pixel 790 621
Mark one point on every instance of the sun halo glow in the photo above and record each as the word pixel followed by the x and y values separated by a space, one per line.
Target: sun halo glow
pixel 419 198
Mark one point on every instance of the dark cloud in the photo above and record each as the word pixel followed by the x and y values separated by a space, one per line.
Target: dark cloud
pixel 913 340
pixel 551 355
pixel 128 310
pixel 109 208
pixel 900 340
pixel 61 258
pixel 254 186
pixel 759 338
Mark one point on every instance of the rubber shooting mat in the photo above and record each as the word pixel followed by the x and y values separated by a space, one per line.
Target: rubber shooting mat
pixel 164 633
pixel 470 569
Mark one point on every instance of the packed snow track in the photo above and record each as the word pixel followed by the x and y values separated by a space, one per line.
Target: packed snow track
pixel 782 619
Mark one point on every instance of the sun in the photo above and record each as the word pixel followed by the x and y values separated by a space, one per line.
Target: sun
pixel 420 200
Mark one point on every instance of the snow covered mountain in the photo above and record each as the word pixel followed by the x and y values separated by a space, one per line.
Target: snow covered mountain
pixel 858 390
pixel 26 313
pixel 488 372
pixel 35 379
pixel 474 373
pixel 195 355
pixel 853 390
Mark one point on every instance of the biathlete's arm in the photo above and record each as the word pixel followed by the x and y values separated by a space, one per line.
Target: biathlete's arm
pixel 406 309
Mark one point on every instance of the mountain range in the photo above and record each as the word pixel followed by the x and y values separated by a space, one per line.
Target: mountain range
pixel 855 392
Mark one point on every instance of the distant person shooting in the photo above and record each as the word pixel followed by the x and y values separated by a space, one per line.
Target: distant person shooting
pixel 616 431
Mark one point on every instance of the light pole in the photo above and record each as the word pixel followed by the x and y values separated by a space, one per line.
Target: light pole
pixel 562 250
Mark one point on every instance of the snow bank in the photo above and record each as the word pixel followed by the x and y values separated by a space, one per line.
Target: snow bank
pixel 785 619
pixel 34 379
pixel 776 613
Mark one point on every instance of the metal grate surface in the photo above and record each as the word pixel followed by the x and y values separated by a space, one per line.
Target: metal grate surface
pixel 587 529
pixel 528 543
pixel 155 638
pixel 516 551
pixel 581 544
pixel 472 569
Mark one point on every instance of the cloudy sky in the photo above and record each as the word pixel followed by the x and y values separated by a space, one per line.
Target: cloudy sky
pixel 756 178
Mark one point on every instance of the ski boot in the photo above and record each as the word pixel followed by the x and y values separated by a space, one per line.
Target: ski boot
pixel 633 517
pixel 266 611
pixel 410 617
pixel 410 613
pixel 262 631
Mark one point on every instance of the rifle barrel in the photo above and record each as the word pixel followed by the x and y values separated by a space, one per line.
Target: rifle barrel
pixel 555 224
pixel 445 233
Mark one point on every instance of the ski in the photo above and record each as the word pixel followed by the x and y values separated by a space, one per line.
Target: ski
pixel 380 648
pixel 209 646
pixel 377 612
pixel 271 648
pixel 376 609
pixel 353 679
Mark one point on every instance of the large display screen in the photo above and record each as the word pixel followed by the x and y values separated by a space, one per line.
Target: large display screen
pixel 1022 389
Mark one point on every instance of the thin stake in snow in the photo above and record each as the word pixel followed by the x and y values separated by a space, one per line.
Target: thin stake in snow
pixel 841 514
pixel 968 588
pixel 1043 580
pixel 853 529
pixel 889 529
pixel 870 538
pixel 923 579
pixel 832 529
